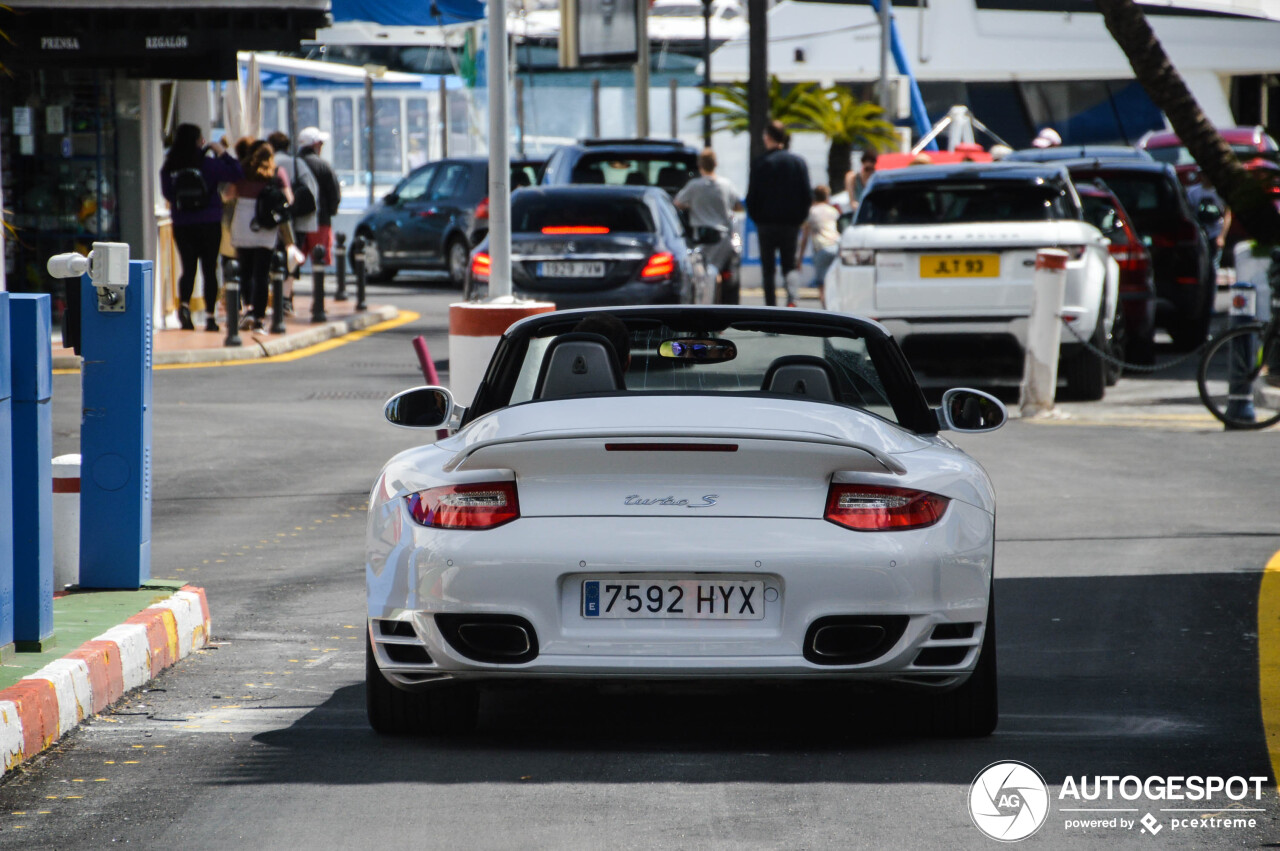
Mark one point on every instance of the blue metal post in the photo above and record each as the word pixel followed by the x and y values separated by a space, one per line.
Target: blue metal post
pixel 31 361
pixel 6 486
pixel 919 117
pixel 115 436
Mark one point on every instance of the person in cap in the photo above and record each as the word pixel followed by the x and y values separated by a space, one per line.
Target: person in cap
pixel 311 142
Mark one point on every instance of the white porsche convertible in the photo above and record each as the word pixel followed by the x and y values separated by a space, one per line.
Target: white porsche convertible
pixel 684 493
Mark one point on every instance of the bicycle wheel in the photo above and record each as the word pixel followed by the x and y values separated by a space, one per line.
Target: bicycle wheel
pixel 1233 382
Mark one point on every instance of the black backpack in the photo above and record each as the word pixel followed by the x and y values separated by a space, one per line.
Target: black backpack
pixel 272 207
pixel 190 192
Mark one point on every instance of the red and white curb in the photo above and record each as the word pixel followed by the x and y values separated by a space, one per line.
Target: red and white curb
pixel 43 707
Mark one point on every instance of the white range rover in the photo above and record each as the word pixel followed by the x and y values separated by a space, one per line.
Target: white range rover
pixel 943 257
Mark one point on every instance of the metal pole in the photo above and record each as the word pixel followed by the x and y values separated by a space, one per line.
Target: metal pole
pixel 595 108
pixel 340 266
pixel 520 115
pixel 706 72
pixel 675 117
pixel 231 286
pixel 444 119
pixel 499 154
pixel 886 17
pixel 317 285
pixel 368 130
pixel 758 74
pixel 277 293
pixel 357 248
pixel 642 69
pixel 293 113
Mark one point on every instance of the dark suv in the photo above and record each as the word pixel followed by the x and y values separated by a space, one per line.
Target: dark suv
pixel 666 163
pixel 432 218
pixel 1182 262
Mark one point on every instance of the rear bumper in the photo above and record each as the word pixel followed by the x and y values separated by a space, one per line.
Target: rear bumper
pixel 811 568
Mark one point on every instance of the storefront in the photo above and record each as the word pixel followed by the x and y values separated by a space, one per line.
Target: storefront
pixel 85 103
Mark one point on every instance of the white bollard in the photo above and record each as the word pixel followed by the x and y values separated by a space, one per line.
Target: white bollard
pixel 474 330
pixel 66 521
pixel 1044 333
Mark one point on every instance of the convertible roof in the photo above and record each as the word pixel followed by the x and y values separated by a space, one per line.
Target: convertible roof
pixel 706 317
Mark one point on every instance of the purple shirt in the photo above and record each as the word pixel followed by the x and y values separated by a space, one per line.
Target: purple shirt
pixel 220 169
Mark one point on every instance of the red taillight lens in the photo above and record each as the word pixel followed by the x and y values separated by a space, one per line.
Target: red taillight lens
pixel 482 209
pixel 660 266
pixel 574 230
pixel 1130 257
pixel 480 265
pixel 875 508
pixel 479 506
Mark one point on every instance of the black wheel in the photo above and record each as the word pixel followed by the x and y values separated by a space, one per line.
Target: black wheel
pixel 972 710
pixel 1233 383
pixel 1085 372
pixel 1190 327
pixel 1140 345
pixel 445 709
pixel 458 257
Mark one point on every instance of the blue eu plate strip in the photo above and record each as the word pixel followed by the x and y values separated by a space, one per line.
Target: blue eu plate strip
pixel 591 599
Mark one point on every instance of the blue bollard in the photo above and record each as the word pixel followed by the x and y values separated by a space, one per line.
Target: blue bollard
pixel 6 486
pixel 31 361
pixel 115 432
pixel 1244 352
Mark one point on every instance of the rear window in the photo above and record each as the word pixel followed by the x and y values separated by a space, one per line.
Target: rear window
pixel 1149 198
pixel 1100 213
pixel 665 169
pixel 959 203
pixel 532 212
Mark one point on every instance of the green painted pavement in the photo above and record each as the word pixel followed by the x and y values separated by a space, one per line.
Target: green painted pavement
pixel 82 616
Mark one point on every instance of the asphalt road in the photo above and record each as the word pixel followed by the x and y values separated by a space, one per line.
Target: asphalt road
pixel 1129 561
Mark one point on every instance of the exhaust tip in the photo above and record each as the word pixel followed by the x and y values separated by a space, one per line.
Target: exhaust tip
pixel 495 639
pixel 852 639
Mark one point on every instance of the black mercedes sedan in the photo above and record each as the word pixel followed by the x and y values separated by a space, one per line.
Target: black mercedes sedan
pixel 600 246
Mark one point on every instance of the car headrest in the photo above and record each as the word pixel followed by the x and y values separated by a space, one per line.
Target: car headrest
pixel 672 177
pixel 637 178
pixel 576 364
pixel 588 175
pixel 801 375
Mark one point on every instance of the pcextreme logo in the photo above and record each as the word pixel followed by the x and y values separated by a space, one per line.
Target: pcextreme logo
pixel 1008 801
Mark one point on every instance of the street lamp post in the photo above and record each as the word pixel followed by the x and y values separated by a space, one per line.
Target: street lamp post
pixel 499 154
pixel 706 73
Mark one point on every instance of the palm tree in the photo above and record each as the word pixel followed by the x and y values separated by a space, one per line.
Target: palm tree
pixel 1246 197
pixel 847 123
pixel 730 110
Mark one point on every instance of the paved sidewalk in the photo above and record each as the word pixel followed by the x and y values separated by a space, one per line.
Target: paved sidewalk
pixel 113 641
pixel 173 345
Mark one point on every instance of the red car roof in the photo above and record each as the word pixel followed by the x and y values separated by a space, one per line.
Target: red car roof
pixel 1231 135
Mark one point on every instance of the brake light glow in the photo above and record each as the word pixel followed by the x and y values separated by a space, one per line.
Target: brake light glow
pixel 480 266
pixel 575 230
pixel 877 508
pixel 482 209
pixel 660 266
pixel 475 506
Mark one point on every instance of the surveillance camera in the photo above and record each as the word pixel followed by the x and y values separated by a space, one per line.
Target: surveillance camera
pixel 70 265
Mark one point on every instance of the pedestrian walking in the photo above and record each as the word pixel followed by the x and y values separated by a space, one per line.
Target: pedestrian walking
pixel 303 218
pixel 778 203
pixel 189 181
pixel 822 230
pixel 252 234
pixel 311 141
pixel 710 201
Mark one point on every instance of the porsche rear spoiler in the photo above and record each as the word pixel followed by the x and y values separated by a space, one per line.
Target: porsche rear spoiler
pixel 890 464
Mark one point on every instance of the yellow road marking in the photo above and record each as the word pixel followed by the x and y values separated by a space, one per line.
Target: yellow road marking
pixel 1269 659
pixel 403 318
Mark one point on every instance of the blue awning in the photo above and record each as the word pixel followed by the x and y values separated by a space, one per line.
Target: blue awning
pixel 415 13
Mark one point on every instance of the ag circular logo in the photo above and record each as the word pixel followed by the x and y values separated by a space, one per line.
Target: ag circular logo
pixel 1008 801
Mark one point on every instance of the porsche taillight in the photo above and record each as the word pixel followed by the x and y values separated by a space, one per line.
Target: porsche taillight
pixel 877 508
pixel 473 506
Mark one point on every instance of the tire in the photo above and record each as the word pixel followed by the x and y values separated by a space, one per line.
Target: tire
pixel 972 710
pixel 1238 351
pixel 373 269
pixel 1085 372
pixel 444 710
pixel 1190 330
pixel 457 259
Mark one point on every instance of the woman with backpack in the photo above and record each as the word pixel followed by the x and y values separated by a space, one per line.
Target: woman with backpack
pixel 262 197
pixel 189 181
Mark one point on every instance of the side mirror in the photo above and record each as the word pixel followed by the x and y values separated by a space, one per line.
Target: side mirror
pixel 421 407
pixel 391 199
pixel 971 411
